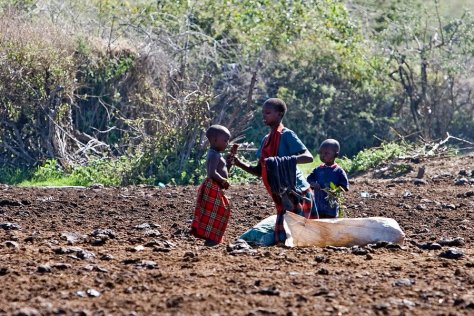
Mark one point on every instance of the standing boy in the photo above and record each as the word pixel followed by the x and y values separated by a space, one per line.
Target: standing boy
pixel 321 177
pixel 212 211
pixel 281 142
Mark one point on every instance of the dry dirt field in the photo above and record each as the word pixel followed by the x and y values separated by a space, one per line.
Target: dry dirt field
pixel 127 251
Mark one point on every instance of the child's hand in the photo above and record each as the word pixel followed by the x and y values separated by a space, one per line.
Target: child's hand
pixel 230 160
pixel 225 184
pixel 236 161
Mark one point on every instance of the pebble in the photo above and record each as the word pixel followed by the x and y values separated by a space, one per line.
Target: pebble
pixel 11 244
pixel 466 301
pixel 147 264
pixel 461 181
pixel 27 311
pixel 174 301
pixel 61 266
pixel 100 232
pixel 44 268
pixel 359 251
pixel 85 255
pixel 452 253
pixel 449 206
pixel 106 257
pixel 321 291
pixel 407 194
pixel 10 226
pixel 458 241
pixel 466 194
pixel 142 226
pixel 403 282
pixel 136 248
pixel 152 233
pixel 420 182
pixel 273 291
pixel 71 238
pixel 429 246
pixel 93 293
pixel 323 271
pixel 4 271
pixel 240 247
pixel 381 307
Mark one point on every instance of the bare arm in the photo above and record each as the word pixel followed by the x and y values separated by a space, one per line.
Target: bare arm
pixel 255 170
pixel 304 157
pixel 212 169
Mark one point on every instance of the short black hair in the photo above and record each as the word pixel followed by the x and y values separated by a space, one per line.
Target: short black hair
pixel 334 144
pixel 215 130
pixel 277 104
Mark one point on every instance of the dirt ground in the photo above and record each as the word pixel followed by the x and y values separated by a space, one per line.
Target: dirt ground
pixel 127 251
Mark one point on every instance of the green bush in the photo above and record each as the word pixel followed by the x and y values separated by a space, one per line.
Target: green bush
pixel 373 157
pixel 10 175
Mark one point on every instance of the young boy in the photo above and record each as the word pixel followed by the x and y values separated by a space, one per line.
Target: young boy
pixel 322 176
pixel 212 211
pixel 281 142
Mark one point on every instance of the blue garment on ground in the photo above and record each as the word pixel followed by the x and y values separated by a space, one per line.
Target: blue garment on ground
pixel 324 175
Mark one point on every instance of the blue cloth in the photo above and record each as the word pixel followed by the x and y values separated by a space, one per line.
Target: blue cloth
pixel 262 234
pixel 290 145
pixel 281 174
pixel 324 175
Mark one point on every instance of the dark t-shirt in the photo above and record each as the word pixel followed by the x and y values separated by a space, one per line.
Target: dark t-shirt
pixel 324 175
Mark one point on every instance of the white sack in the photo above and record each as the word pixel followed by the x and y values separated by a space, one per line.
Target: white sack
pixel 340 232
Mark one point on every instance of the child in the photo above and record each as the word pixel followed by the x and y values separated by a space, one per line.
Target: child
pixel 281 142
pixel 322 176
pixel 212 211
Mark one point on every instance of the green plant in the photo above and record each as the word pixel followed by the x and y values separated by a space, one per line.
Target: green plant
pixel 335 197
pixel 373 157
pixel 48 171
pixel 11 175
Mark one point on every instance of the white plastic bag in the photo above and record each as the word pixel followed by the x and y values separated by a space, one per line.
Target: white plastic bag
pixel 340 232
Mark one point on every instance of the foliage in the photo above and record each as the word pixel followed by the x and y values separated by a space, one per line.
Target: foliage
pixel 106 172
pixel 373 157
pixel 138 82
pixel 335 197
pixel 431 60
pixel 36 76
pixel 11 175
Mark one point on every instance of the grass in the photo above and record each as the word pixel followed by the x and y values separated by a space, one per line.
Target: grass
pixel 110 172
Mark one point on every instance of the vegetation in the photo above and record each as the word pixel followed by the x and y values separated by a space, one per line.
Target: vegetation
pixel 89 87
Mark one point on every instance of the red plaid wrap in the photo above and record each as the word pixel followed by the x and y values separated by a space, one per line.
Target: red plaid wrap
pixel 212 212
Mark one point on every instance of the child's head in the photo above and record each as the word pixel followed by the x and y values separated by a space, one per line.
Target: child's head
pixel 328 151
pixel 218 137
pixel 273 111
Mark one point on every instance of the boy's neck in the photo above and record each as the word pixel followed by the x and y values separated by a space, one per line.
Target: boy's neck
pixel 275 127
pixel 213 148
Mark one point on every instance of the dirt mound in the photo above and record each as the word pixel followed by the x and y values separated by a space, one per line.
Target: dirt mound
pixel 127 251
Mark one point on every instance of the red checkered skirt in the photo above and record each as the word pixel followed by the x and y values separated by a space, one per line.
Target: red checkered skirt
pixel 212 212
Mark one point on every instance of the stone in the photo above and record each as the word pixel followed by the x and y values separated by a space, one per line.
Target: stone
pixel 403 282
pixel 452 253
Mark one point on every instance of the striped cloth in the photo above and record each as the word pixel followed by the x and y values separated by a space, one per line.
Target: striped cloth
pixel 212 212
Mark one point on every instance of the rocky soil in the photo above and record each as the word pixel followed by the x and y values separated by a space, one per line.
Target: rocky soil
pixel 127 251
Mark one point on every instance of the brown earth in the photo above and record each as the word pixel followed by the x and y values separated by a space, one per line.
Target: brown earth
pixel 55 263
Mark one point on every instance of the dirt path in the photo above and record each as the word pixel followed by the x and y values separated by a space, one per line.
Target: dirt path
pixel 126 251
